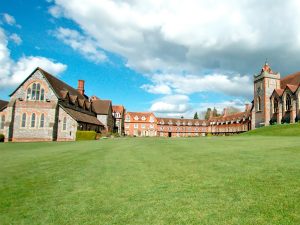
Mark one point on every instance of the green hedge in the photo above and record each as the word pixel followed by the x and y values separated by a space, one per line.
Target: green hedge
pixel 85 135
pixel 2 137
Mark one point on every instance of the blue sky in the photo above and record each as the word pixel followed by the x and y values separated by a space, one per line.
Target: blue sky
pixel 173 59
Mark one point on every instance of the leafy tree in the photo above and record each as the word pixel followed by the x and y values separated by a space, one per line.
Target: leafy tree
pixel 196 116
pixel 207 114
pixel 215 112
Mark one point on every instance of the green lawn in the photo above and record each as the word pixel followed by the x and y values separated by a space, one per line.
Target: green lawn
pixel 214 180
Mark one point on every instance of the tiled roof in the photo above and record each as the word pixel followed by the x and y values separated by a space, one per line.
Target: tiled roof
pixel 293 79
pixel 60 87
pixel 82 117
pixel 118 108
pixel 3 104
pixel 101 107
pixel 293 88
pixel 140 115
pixel 179 121
pixel 231 117
pixel 279 91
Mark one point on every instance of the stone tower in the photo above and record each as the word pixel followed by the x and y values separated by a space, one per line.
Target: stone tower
pixel 264 85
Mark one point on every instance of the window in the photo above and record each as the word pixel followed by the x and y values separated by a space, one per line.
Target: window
pixel 23 120
pixel 42 121
pixel 127 118
pixel 42 94
pixel 35 92
pixel 275 106
pixel 151 119
pixel 258 104
pixel 143 118
pixel 65 123
pixel 136 118
pixel 28 93
pixel 136 125
pixel 151 126
pixel 288 103
pixel 33 120
pixel 2 121
pixel 127 126
pixel 143 126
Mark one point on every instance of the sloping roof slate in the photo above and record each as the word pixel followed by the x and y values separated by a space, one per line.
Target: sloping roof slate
pixel 3 104
pixel 82 117
pixel 293 79
pixel 101 107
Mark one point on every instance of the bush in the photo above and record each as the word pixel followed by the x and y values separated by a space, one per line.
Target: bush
pixel 2 137
pixel 85 135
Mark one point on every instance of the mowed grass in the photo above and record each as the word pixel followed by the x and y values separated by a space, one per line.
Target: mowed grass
pixel 276 130
pixel 213 180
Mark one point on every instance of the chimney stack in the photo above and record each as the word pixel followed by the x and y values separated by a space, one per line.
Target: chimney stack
pixel 247 107
pixel 225 112
pixel 80 87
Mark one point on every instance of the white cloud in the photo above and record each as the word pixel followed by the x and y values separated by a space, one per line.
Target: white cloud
pixel 189 84
pixel 171 104
pixel 10 20
pixel 84 45
pixel 175 35
pixel 13 72
pixel 157 89
pixel 15 38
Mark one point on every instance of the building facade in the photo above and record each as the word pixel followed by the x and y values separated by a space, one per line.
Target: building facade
pixel 140 124
pixel 119 115
pixel 43 108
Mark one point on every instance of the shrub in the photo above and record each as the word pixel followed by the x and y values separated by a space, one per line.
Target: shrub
pixel 85 135
pixel 2 137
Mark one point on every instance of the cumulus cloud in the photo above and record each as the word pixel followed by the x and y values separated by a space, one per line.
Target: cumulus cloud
pixel 190 84
pixel 177 104
pixel 13 72
pixel 84 45
pixel 192 35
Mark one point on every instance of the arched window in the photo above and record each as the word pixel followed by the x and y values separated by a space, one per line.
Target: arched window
pixel 42 94
pixel 288 102
pixel 38 89
pixel 42 121
pixel 2 122
pixel 258 104
pixel 23 120
pixel 35 92
pixel 275 106
pixel 32 120
pixel 28 93
pixel 65 123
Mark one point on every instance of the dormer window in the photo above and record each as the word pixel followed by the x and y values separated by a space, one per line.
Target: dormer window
pixel 151 119
pixel 35 92
pixel 127 118
pixel 136 118
pixel 143 118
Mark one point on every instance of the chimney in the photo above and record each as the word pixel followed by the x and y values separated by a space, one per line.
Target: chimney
pixel 81 86
pixel 225 112
pixel 247 107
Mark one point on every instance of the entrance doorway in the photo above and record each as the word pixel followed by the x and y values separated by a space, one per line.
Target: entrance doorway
pixel 169 134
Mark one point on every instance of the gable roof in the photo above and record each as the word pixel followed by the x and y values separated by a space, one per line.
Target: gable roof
pixel 118 108
pixel 59 87
pixel 179 121
pixel 293 79
pixel 3 104
pixel 293 88
pixel 101 107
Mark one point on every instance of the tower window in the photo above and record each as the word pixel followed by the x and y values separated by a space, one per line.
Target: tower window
pixel 258 103
pixel 288 103
pixel 275 106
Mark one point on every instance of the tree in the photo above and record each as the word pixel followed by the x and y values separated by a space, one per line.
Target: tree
pixel 232 110
pixel 215 112
pixel 196 116
pixel 207 114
